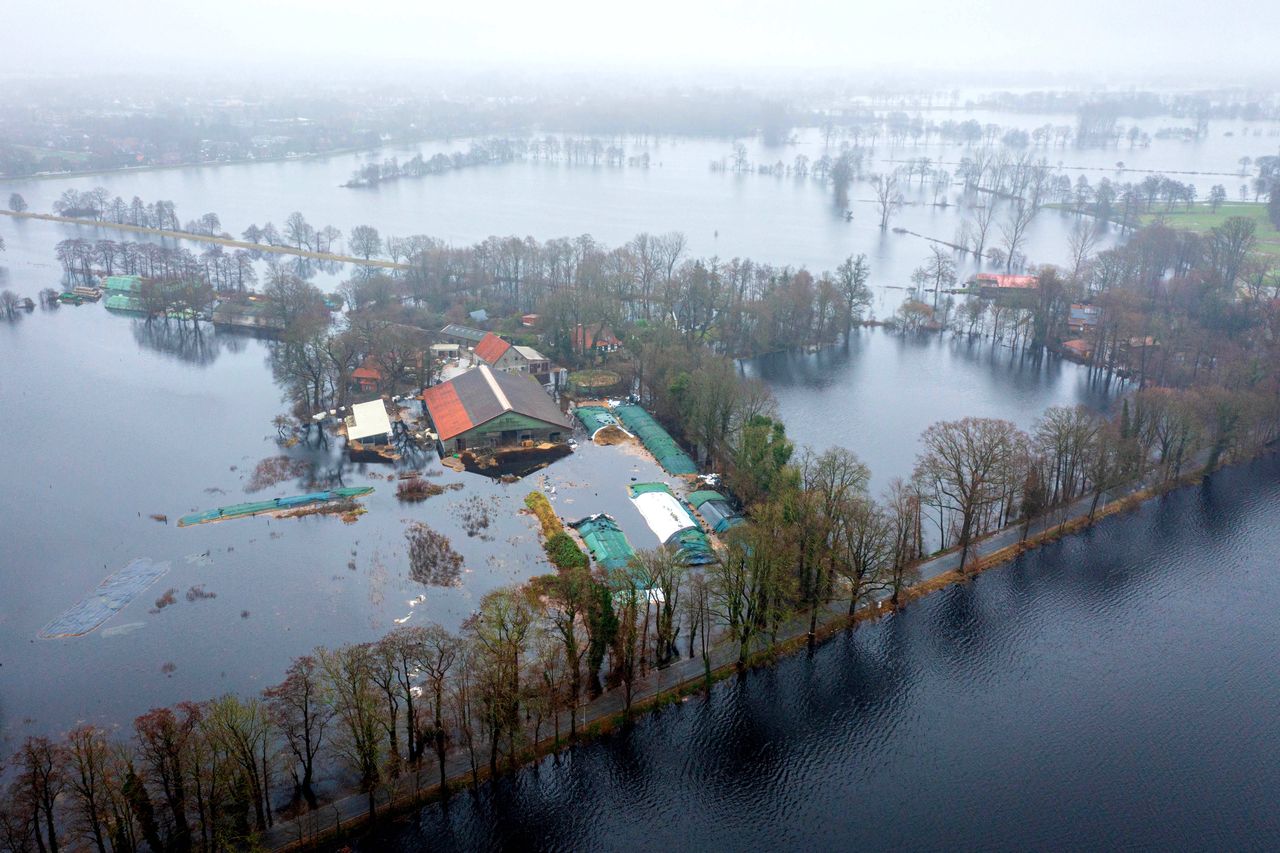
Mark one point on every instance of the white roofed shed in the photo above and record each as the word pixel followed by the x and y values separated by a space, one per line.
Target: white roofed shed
pixel 368 421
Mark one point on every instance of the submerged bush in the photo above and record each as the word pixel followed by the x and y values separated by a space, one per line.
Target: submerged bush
pixel 564 553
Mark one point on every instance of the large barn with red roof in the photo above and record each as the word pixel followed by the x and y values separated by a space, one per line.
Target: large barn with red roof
pixel 486 408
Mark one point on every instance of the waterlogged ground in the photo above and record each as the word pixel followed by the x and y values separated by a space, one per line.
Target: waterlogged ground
pixel 109 420
pixel 146 423
pixel 1114 690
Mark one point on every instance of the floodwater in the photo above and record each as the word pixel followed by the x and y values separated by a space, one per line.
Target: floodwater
pixel 878 395
pixel 1115 690
pixel 108 420
pixel 779 220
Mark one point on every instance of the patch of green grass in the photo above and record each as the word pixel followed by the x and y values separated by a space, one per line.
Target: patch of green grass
pixel 1201 217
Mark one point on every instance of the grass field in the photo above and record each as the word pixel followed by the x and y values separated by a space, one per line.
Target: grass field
pixel 1201 217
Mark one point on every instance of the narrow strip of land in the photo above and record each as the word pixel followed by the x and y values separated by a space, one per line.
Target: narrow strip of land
pixel 348 813
pixel 208 238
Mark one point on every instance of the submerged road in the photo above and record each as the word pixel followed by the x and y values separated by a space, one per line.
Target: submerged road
pixel 209 238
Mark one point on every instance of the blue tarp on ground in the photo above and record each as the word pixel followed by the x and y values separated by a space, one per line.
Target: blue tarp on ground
pixel 109 598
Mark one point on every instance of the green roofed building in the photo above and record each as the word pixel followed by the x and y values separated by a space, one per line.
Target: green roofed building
pixel 127 284
pixel 606 541
pixel 125 304
pixel 655 439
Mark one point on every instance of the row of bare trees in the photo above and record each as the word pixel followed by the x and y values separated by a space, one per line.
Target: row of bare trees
pixel 224 271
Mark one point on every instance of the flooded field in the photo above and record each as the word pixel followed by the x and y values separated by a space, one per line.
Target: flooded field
pixel 113 421
pixel 137 429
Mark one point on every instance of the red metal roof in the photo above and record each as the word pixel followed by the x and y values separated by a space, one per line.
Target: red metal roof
pixel 491 348
pixel 589 339
pixel 446 410
pixel 366 373
pixel 991 279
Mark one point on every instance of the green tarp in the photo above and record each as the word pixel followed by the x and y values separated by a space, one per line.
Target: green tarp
pixel 595 418
pixel 608 544
pixel 701 496
pixel 129 284
pixel 672 522
pixel 242 510
pixel 655 439
pixel 124 302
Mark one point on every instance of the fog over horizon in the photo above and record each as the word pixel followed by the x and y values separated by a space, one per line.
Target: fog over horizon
pixel 927 43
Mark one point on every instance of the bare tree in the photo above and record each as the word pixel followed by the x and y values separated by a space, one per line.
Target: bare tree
pixel 1081 242
pixel 301 711
pixel 978 226
pixel 1014 230
pixel 365 242
pixel 965 465
pixel 888 198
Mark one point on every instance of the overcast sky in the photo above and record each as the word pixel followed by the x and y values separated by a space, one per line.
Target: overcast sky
pixel 1116 41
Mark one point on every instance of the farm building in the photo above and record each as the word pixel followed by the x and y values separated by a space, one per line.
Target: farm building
pixel 501 355
pixel 996 284
pixel 368 423
pixel 486 408
pixel 130 285
pixel 465 335
pixel 600 339
pixel 1083 317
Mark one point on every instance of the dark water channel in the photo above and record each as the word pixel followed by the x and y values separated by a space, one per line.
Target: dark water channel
pixel 1115 690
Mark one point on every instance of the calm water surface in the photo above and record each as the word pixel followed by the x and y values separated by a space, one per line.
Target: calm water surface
pixel 1115 690
pixel 878 395
pixel 116 420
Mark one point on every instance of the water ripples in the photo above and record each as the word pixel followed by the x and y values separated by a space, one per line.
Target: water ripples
pixel 1114 689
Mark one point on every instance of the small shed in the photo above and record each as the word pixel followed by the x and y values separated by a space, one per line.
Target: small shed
pixel 459 334
pixel 1083 317
pixel 599 338
pixel 368 423
pixel 367 376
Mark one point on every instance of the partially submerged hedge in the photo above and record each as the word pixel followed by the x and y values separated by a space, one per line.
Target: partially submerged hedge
pixel 541 507
pixel 562 550
pixel 564 553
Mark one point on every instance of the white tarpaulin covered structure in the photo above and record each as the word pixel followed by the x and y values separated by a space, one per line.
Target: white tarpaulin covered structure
pixel 368 420
pixel 662 512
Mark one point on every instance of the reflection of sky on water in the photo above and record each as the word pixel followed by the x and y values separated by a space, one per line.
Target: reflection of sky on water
pixel 879 395
pixel 120 420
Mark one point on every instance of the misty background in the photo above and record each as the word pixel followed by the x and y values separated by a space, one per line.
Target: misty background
pixel 938 42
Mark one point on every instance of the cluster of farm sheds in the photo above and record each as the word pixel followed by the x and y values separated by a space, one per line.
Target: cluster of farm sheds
pixel 492 413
